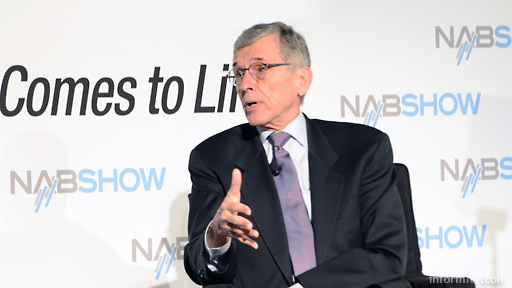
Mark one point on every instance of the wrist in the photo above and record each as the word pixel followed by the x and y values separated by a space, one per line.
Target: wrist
pixel 213 240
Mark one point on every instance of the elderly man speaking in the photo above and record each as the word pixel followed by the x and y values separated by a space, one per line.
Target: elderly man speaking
pixel 288 201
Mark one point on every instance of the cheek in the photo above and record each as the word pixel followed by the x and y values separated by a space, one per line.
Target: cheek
pixel 275 83
pixel 274 89
pixel 285 84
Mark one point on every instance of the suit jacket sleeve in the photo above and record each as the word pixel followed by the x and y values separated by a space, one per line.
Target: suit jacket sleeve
pixel 381 259
pixel 206 196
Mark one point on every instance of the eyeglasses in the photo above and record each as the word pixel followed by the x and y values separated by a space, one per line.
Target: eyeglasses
pixel 256 69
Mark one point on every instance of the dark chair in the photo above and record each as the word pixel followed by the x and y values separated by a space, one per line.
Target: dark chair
pixel 414 267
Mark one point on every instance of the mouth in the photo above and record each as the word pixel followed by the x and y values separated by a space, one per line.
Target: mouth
pixel 250 104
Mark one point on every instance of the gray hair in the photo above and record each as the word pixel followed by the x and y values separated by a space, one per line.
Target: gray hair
pixel 293 45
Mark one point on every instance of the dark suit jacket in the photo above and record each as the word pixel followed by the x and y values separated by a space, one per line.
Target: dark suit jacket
pixel 357 218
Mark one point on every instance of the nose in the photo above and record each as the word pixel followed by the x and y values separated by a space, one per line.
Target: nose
pixel 247 82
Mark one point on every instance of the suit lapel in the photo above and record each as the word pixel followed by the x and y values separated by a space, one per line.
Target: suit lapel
pixel 260 194
pixel 326 188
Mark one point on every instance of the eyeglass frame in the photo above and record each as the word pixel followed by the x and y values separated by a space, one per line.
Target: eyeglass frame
pixel 232 77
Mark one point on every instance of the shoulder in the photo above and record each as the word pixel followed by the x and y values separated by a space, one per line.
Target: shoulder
pixel 347 131
pixel 224 146
pixel 353 143
pixel 324 124
pixel 231 136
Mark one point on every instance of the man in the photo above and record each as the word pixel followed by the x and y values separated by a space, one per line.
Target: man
pixel 243 231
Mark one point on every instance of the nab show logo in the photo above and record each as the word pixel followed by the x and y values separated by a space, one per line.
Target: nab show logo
pixel 46 183
pixel 165 253
pixel 466 39
pixel 372 108
pixel 45 194
pixel 451 236
pixel 471 171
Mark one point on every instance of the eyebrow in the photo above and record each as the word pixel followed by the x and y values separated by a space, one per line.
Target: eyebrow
pixel 256 59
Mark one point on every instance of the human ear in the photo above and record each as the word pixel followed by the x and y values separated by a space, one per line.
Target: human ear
pixel 304 79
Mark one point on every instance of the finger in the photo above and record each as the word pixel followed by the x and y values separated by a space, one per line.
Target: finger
pixel 236 183
pixel 237 207
pixel 239 231
pixel 236 220
pixel 248 241
pixel 245 228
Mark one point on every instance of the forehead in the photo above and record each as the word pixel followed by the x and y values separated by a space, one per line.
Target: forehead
pixel 266 49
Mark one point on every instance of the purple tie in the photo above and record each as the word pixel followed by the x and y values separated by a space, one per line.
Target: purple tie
pixel 298 226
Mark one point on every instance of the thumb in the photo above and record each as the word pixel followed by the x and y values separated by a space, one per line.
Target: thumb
pixel 236 183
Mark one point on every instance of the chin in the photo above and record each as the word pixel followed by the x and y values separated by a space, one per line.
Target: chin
pixel 257 121
pixel 254 123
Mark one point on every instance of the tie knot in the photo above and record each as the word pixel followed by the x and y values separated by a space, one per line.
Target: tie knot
pixel 279 138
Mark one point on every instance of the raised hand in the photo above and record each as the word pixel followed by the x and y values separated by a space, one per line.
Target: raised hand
pixel 227 223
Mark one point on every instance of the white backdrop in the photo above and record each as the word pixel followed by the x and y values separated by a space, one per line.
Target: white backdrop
pixel 119 214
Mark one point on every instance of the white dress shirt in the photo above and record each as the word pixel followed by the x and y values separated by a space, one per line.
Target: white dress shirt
pixel 297 146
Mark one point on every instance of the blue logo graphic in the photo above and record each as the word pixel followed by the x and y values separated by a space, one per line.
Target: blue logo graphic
pixel 470 171
pixel 470 180
pixel 371 117
pixel 89 180
pixel 165 261
pixel 467 38
pixel 45 184
pixel 161 250
pixel 42 194
pixel 452 236
pixel 463 49
pixel 372 108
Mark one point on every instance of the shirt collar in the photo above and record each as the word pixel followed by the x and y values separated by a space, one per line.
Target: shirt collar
pixel 297 129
